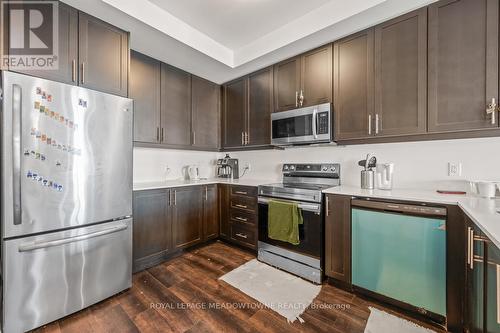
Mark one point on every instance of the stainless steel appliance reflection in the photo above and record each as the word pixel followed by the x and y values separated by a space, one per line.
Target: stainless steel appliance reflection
pixel 66 199
pixel 303 184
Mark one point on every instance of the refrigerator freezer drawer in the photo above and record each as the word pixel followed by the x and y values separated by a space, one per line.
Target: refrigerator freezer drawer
pixel 50 276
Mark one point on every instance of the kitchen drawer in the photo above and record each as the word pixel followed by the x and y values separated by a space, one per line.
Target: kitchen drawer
pixel 244 203
pixel 241 216
pixel 244 235
pixel 250 191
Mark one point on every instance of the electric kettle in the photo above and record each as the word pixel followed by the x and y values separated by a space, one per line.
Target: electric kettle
pixel 194 172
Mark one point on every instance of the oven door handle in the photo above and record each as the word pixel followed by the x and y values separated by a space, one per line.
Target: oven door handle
pixel 306 206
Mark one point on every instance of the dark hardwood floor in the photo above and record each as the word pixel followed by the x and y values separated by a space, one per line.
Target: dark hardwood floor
pixel 181 296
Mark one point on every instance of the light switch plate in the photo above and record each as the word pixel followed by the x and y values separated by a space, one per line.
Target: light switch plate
pixel 454 169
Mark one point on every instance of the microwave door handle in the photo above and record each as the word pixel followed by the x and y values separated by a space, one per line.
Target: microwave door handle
pixel 16 151
pixel 314 121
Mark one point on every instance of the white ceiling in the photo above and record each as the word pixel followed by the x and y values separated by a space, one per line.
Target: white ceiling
pixel 235 23
pixel 223 39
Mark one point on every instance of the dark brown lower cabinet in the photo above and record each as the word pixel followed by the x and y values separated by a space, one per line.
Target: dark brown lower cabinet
pixel 210 212
pixel 338 238
pixel 492 288
pixel 187 216
pixel 238 221
pixel 152 228
pixel 224 228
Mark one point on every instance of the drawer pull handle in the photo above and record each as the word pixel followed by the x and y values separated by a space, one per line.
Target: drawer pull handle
pixel 241 192
pixel 240 219
pixel 241 206
pixel 242 236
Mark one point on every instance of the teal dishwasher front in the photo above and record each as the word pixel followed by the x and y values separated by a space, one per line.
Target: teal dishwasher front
pixel 399 251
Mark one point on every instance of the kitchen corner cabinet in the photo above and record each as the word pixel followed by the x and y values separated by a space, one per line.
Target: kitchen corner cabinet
pixel 205 100
pixel 463 64
pixel 144 89
pixel 304 80
pixel 210 212
pixel 248 103
pixel 103 56
pixel 152 228
pixel 353 76
pixel 338 238
pixel 175 106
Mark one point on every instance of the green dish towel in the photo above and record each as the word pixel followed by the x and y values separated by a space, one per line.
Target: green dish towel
pixel 283 221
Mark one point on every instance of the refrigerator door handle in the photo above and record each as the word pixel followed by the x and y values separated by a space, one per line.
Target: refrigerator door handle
pixel 16 150
pixel 41 245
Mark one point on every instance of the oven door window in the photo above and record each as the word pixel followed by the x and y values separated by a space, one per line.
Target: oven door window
pixel 292 127
pixel 310 233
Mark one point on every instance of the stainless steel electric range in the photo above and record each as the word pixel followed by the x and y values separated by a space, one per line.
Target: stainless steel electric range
pixel 303 184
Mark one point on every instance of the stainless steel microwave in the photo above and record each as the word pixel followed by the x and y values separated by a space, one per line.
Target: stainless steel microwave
pixel 307 125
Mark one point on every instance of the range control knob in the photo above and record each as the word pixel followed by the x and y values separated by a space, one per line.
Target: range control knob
pixel 285 167
pixel 333 169
pixel 325 168
pixel 292 167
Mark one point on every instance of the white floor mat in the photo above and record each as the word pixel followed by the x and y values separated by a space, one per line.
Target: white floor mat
pixel 383 322
pixel 282 292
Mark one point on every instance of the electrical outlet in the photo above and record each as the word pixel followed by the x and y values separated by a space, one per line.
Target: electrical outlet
pixel 248 166
pixel 454 169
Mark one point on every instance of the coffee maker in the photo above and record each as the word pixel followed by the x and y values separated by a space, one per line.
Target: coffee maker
pixel 228 167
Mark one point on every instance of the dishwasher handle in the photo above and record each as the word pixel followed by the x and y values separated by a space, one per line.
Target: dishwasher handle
pixel 400 207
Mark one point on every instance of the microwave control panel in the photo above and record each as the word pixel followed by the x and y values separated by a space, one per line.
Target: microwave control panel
pixel 323 123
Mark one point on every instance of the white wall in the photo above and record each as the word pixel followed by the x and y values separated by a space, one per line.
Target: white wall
pixel 151 164
pixel 418 164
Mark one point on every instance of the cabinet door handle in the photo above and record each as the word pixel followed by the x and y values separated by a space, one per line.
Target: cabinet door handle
pixel 492 109
pixel 296 98
pixel 240 192
pixel 247 138
pixel 377 118
pixel 157 134
pixel 206 193
pixel 240 219
pixel 327 206
pixel 161 134
pixel 83 72
pixel 468 246
pixel 369 124
pixel 194 138
pixel 242 139
pixel 73 70
pixel 175 198
pixel 241 206
pixel 242 235
pixel 301 98
pixel 471 247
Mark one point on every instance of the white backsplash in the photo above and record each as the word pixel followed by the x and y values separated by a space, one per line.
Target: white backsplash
pixel 150 164
pixel 422 165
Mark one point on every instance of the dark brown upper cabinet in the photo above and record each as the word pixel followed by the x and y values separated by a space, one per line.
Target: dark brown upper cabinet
pixel 401 75
pixel 144 89
pixel 353 82
pixel 67 48
pixel 175 106
pixel 187 216
pixel 248 103
pixel 205 97
pixel 235 105
pixel 260 106
pixel 463 64
pixel 304 80
pixel 103 56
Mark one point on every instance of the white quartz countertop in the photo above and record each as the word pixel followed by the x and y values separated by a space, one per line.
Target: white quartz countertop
pixel 484 212
pixel 140 186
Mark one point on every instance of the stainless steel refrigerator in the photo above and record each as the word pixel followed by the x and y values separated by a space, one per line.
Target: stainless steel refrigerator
pixel 66 213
